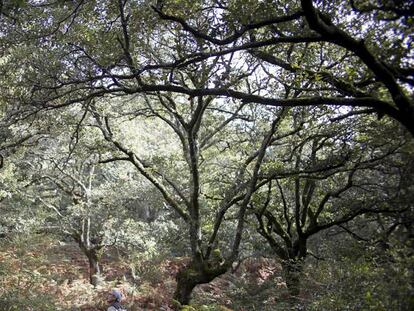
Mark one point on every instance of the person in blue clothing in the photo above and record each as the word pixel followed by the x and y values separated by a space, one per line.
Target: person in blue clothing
pixel 114 298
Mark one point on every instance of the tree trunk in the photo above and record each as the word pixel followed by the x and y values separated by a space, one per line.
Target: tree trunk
pixel 185 286
pixel 194 274
pixel 94 268
pixel 94 254
pixel 292 272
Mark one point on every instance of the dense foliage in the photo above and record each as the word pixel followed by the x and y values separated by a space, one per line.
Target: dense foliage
pixel 189 136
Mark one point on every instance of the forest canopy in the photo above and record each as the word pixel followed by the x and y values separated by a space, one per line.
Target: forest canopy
pixel 214 134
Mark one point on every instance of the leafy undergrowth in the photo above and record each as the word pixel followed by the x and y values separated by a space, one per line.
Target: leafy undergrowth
pixel 39 273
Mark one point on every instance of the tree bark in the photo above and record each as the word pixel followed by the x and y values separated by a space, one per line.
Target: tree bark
pixel 194 274
pixel 292 272
pixel 94 268
pixel 94 255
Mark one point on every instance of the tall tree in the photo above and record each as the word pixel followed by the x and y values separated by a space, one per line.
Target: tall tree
pixel 183 59
pixel 80 200
pixel 199 128
pixel 328 177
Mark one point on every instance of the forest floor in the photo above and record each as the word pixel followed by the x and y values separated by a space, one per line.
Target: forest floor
pixel 58 272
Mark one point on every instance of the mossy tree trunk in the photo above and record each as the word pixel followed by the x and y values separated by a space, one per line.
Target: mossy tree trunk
pixel 194 274
pixel 94 267
pixel 94 253
pixel 292 273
